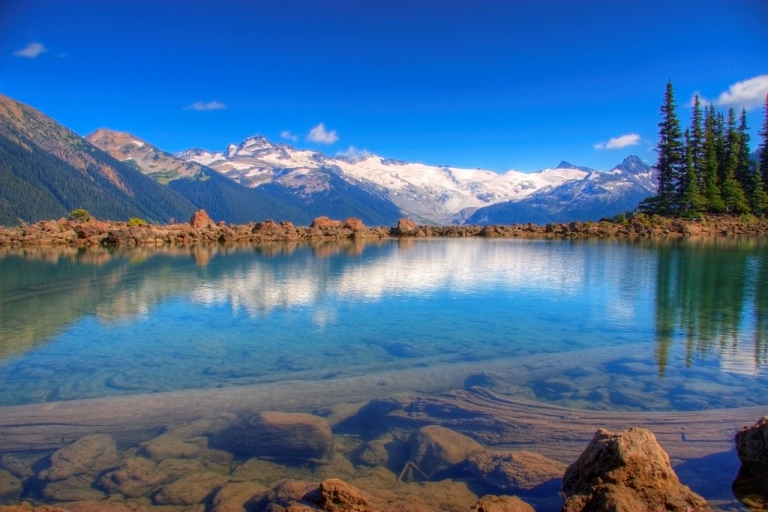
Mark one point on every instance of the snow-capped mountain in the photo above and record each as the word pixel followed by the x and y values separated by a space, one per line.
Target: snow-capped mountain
pixel 594 196
pixel 431 194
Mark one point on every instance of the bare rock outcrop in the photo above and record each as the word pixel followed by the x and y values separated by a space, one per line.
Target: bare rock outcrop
pixel 626 471
pixel 752 442
pixel 279 434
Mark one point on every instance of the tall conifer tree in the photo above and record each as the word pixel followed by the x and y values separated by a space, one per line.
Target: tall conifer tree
pixel 732 191
pixel 671 160
pixel 712 192
pixel 763 152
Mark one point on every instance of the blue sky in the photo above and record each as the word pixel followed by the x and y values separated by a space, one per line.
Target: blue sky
pixel 492 84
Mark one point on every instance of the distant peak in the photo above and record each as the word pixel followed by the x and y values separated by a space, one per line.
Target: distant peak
pixel 256 142
pixel 633 164
pixel 568 165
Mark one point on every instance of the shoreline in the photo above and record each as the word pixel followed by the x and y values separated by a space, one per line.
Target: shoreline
pixel 201 229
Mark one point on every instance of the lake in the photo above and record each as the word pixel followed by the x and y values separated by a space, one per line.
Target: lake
pixel 590 325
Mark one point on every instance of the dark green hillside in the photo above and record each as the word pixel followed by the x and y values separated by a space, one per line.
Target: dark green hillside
pixel 227 200
pixel 36 185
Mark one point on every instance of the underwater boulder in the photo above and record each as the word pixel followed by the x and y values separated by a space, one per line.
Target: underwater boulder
pixel 281 435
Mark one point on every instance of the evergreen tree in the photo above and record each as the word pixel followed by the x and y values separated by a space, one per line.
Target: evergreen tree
pixel 712 193
pixel 758 197
pixel 732 191
pixel 695 144
pixel 690 198
pixel 671 160
pixel 744 166
pixel 763 154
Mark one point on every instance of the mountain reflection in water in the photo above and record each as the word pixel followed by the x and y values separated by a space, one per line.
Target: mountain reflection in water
pixel 233 315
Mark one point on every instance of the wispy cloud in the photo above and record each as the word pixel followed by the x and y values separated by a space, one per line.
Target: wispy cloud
pixel 288 135
pixel 31 51
pixel 205 106
pixel 354 154
pixel 747 93
pixel 622 141
pixel 321 135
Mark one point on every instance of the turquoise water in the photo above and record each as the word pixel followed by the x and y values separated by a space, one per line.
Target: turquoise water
pixel 601 325
pixel 693 318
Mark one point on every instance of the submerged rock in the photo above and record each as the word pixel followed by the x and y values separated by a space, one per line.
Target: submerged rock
pixel 89 454
pixel 334 495
pixel 436 449
pixel 233 496
pixel 134 477
pixel 280 435
pixel 512 471
pixel 752 442
pixel 191 489
pixel 626 471
pixel 10 486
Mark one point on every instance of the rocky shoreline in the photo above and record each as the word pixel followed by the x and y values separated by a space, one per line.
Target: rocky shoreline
pixel 201 229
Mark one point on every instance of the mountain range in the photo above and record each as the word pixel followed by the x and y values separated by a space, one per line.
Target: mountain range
pixel 47 171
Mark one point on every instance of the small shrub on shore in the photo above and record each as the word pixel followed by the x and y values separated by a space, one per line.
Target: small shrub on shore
pixel 79 215
pixel 135 221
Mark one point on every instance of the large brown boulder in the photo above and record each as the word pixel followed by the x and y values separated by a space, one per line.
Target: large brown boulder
pixel 89 454
pixel 200 220
pixel 436 449
pixel 512 471
pixel 334 495
pixel 279 434
pixel 626 471
pixel 354 224
pixel 406 227
pixel 752 442
pixel 325 223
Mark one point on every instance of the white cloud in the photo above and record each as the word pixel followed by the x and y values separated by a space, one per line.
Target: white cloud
pixel 206 106
pixel 354 154
pixel 747 93
pixel 31 51
pixel 319 134
pixel 622 141
pixel 287 135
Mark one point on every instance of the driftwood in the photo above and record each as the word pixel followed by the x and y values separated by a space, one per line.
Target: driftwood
pixel 495 420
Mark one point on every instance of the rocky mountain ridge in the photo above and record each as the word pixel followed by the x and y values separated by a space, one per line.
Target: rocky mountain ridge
pixel 433 194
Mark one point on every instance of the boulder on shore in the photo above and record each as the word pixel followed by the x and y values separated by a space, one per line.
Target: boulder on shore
pixel 752 442
pixel 626 471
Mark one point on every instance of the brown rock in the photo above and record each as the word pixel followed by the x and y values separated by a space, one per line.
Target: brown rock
pixel 233 496
pixel 752 442
pixel 354 224
pixel 200 220
pixel 167 448
pixel 191 489
pixel 89 454
pixel 134 477
pixel 626 471
pixel 335 495
pixel 325 223
pixel 282 494
pixel 179 468
pixel 406 227
pixel 279 434
pixel 435 449
pixel 511 471
pixel 75 488
pixel 489 503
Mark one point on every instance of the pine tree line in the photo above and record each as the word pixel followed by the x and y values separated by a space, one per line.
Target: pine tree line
pixel 707 168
